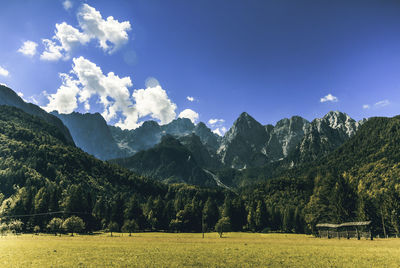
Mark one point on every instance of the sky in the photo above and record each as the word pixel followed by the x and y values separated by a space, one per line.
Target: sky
pixel 204 60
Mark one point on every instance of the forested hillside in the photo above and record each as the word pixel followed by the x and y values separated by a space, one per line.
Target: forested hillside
pixel 42 173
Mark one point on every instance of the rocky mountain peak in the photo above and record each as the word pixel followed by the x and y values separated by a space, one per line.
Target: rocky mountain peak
pixel 338 120
pixel 284 137
pixel 179 126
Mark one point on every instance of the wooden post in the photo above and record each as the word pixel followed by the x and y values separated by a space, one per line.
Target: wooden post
pixel 370 233
pixel 358 233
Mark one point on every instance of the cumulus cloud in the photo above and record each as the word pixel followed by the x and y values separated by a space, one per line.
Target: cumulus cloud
pixel 190 114
pixel 220 131
pixel 330 98
pixel 154 101
pixel 52 51
pixel 87 80
pixel 382 103
pixel 191 99
pixel 4 72
pixel 110 34
pixel 366 106
pixel 64 100
pixel 28 48
pixel 216 121
pixel 67 4
pixel 67 37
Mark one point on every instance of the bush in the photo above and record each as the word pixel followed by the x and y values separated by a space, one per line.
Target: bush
pixel 74 224
pixel 223 225
pixel 55 225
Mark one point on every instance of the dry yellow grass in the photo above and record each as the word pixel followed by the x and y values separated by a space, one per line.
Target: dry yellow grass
pixel 190 250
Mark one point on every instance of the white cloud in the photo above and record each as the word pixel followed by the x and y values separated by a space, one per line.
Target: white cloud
pixel 52 51
pixel 110 33
pixel 87 80
pixel 216 121
pixel 28 48
pixel 64 100
pixel 68 38
pixel 382 103
pixel 67 4
pixel 191 99
pixel 220 131
pixel 366 106
pixel 4 72
pixel 218 125
pixel 154 101
pixel 188 113
pixel 329 97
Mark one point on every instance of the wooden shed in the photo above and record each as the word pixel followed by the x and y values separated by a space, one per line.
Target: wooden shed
pixel 345 230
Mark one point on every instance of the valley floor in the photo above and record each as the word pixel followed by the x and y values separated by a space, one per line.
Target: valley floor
pixel 190 250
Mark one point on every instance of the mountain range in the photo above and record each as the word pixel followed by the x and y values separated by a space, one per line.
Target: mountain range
pixel 287 177
pixel 247 144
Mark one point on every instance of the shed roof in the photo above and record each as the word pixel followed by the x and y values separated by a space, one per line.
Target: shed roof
pixel 345 224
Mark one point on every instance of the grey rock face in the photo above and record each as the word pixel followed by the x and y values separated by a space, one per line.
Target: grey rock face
pixel 284 137
pixel 207 137
pixel 150 134
pixel 242 144
pixel 248 143
pixel 91 133
pixel 142 138
pixel 10 98
pixel 324 135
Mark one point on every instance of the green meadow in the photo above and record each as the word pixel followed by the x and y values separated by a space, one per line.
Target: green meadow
pixel 191 250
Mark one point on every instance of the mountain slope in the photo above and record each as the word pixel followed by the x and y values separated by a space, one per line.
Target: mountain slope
pixel 241 146
pixel 91 133
pixel 169 161
pixel 284 137
pixel 41 173
pixel 9 97
pixel 150 132
pixel 323 135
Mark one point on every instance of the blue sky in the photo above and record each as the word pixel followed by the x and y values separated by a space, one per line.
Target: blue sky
pixel 272 59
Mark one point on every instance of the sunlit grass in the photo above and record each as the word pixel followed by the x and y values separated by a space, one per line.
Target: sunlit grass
pixel 185 250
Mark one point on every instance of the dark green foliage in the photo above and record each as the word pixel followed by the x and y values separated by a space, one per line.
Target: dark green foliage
pixel 129 226
pixel 113 227
pixel 55 225
pixel 73 225
pixel 42 173
pixel 223 225
pixel 169 161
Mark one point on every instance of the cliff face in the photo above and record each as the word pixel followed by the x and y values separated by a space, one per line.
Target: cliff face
pixel 91 133
pixel 324 135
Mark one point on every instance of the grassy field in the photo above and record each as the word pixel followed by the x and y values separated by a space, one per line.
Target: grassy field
pixel 190 250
